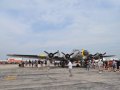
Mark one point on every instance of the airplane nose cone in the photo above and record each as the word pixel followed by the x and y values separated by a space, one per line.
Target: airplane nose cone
pixel 51 55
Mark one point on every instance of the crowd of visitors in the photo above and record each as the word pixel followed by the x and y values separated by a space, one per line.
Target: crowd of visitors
pixel 101 65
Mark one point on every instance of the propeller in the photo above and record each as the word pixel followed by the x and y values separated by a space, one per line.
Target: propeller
pixel 101 56
pixel 51 55
pixel 67 56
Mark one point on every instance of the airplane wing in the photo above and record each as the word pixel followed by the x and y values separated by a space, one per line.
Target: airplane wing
pixel 109 56
pixel 27 56
pixel 57 58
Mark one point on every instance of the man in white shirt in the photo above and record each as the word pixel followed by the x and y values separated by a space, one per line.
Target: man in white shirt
pixel 70 68
pixel 100 66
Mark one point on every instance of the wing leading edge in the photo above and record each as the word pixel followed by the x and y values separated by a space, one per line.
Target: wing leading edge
pixel 27 56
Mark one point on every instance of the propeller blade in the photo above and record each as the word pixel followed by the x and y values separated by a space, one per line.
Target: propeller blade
pixel 46 52
pixel 63 53
pixel 94 54
pixel 56 52
pixel 104 53
pixel 71 54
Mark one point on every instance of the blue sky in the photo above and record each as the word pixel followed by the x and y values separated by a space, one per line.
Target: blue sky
pixel 32 26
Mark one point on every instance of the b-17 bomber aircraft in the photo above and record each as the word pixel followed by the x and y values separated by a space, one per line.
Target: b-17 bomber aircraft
pixel 74 56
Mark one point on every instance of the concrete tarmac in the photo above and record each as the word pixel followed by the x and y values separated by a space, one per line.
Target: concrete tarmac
pixel 14 78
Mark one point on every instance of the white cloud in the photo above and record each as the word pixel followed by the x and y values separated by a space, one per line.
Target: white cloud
pixel 87 24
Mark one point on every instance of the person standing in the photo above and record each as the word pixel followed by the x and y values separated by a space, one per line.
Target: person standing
pixel 70 68
pixel 114 64
pixel 117 63
pixel 45 62
pixel 87 65
pixel 32 63
pixel 29 63
pixel 100 66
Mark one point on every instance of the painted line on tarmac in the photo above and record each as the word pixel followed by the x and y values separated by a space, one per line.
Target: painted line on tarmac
pixel 10 77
